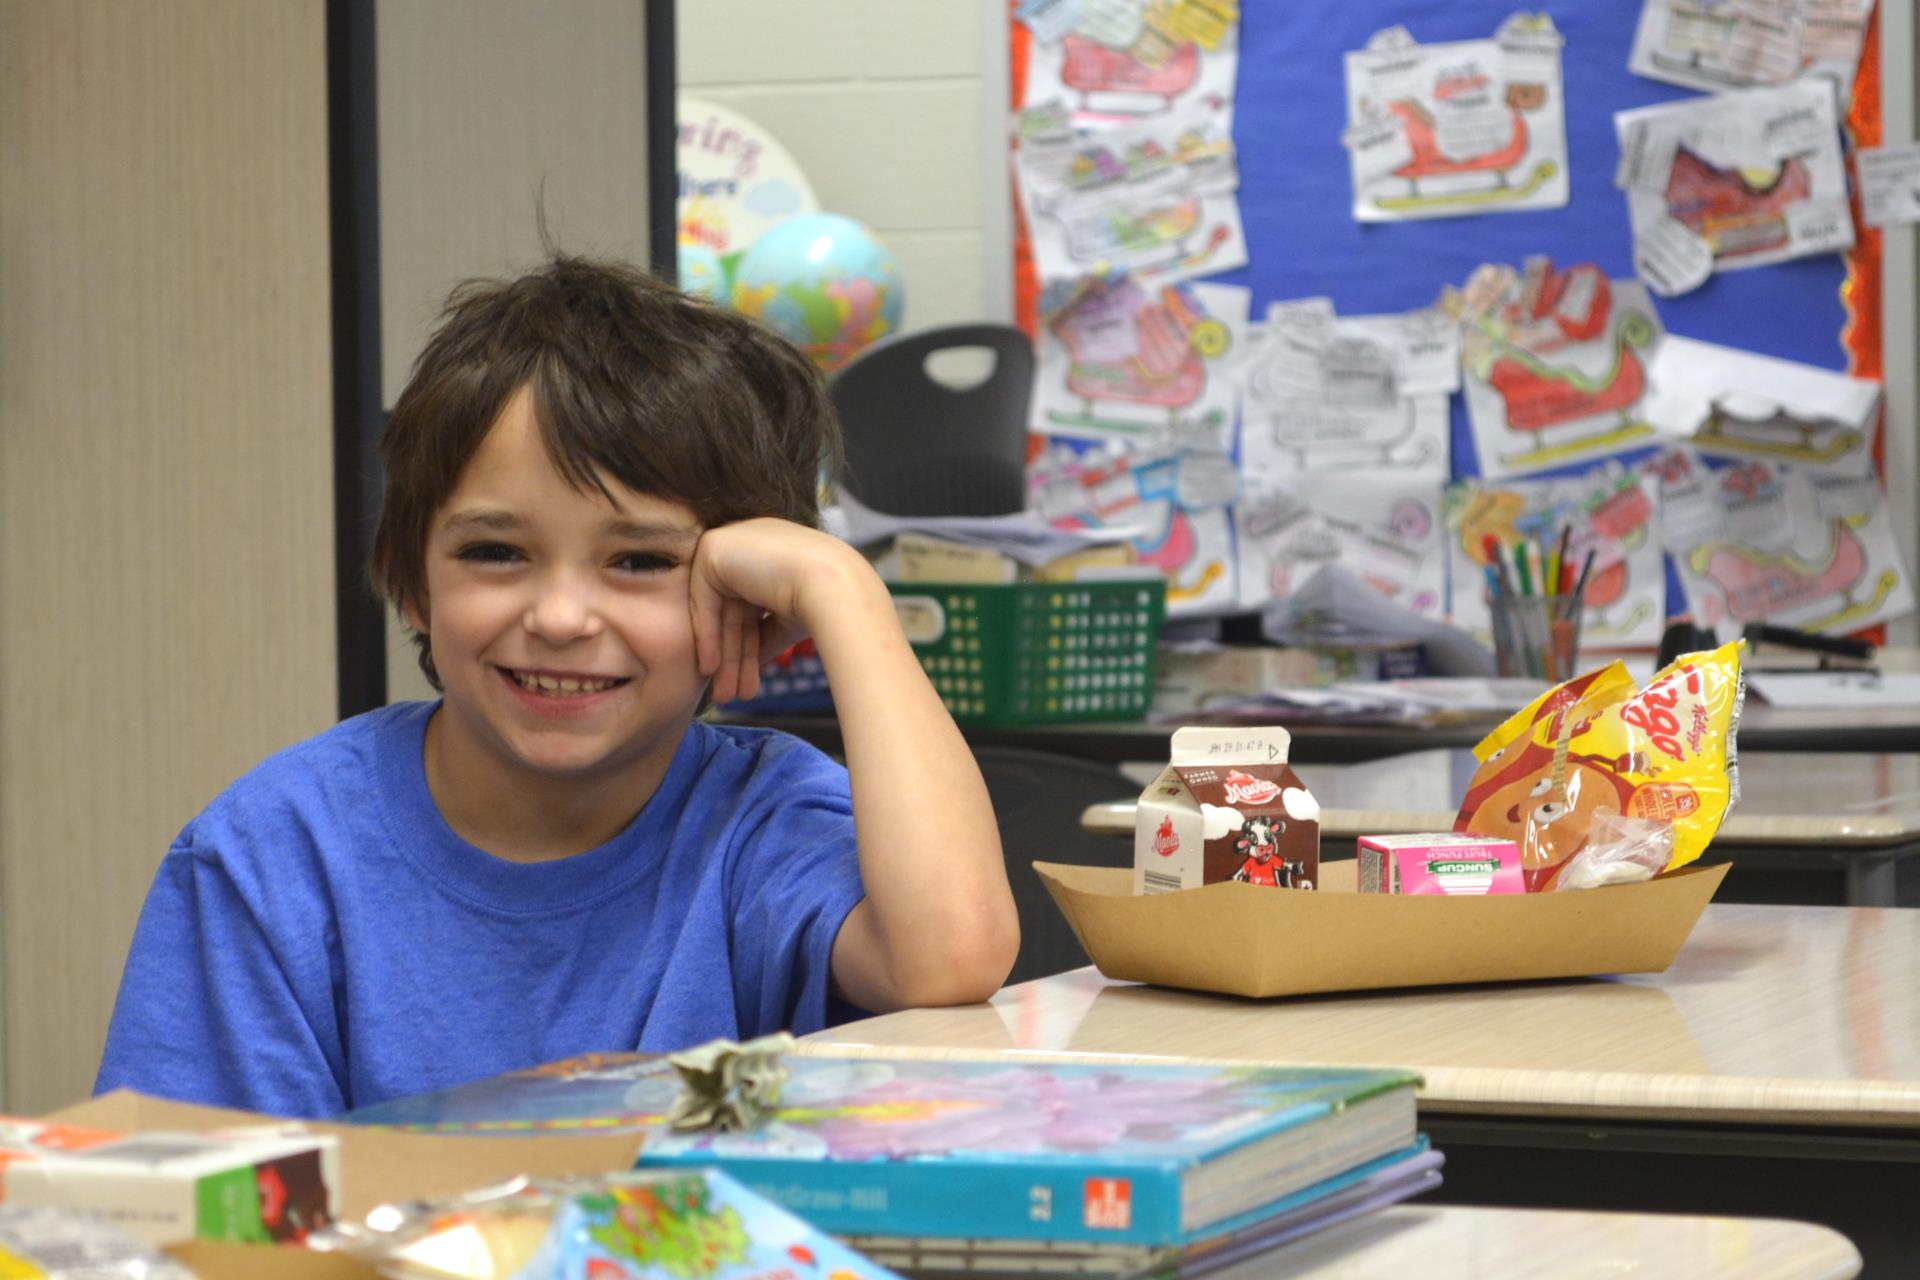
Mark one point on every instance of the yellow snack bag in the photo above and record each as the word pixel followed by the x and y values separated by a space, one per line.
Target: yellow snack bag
pixel 1597 747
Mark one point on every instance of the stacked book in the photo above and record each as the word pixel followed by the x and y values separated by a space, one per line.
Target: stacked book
pixel 941 1167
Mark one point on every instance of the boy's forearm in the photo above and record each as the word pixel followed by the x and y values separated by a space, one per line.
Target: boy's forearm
pixel 930 856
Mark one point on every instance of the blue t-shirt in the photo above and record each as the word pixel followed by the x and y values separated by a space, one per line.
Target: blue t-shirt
pixel 319 938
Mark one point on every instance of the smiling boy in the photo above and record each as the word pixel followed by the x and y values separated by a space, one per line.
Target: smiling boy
pixel 599 510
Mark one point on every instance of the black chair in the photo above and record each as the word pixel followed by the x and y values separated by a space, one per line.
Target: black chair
pixel 1037 798
pixel 918 447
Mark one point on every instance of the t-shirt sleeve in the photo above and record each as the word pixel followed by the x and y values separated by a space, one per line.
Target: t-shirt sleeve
pixel 210 1007
pixel 794 878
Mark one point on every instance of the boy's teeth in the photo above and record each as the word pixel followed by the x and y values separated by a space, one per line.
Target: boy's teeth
pixel 560 684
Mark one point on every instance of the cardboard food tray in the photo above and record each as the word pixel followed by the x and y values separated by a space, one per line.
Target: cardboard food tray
pixel 1247 940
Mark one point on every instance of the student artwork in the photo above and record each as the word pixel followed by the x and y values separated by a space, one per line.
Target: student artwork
pixel 1153 198
pixel 1384 529
pixel 1737 44
pixel 1553 363
pixel 1612 513
pixel 1761 541
pixel 1177 503
pixel 1113 60
pixel 1736 404
pixel 1755 176
pixel 1322 391
pixel 1447 130
pixel 1122 359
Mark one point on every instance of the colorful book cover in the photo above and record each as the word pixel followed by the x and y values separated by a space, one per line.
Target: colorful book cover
pixel 698 1225
pixel 1125 1153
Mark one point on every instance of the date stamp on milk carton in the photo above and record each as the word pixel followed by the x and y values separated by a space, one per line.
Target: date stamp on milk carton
pixel 1439 862
pixel 1226 807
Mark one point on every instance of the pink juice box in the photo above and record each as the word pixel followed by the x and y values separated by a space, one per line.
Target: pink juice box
pixel 1439 862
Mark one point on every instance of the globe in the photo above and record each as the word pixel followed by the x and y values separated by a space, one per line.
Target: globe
pixel 701 273
pixel 825 283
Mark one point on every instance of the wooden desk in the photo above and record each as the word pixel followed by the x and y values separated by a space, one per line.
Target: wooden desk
pixel 1774 1069
pixel 1444 1242
pixel 1797 811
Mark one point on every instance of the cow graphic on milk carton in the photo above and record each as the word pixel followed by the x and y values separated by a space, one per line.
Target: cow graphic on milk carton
pixel 1226 807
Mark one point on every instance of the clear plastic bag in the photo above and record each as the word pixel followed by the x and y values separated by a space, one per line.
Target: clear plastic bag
pixel 1619 850
pixel 61 1244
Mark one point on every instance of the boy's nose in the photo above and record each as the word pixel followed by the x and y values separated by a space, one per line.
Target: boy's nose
pixel 562 612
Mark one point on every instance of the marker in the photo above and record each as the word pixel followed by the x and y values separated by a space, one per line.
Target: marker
pixel 1560 583
pixel 1520 567
pixel 1490 550
pixel 1586 567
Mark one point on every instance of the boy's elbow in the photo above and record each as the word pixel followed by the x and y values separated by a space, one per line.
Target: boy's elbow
pixel 970 969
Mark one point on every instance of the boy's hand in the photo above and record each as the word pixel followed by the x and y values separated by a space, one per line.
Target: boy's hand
pixel 751 588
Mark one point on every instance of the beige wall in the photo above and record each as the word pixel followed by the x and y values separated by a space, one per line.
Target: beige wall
pixel 892 108
pixel 166 568
pixel 487 109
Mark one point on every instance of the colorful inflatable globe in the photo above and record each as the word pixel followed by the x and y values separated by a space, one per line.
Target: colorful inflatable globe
pixel 825 283
pixel 701 273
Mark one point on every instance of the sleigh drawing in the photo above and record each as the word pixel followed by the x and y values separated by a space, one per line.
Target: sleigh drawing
pixel 1779 434
pixel 1733 215
pixel 1430 162
pixel 1146 496
pixel 1156 239
pixel 1697 37
pixel 1091 67
pixel 1540 397
pixel 1173 340
pixel 1759 584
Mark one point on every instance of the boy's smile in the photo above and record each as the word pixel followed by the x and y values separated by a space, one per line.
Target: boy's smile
pixel 559 624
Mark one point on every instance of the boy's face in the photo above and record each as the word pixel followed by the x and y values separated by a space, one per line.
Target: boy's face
pixel 558 622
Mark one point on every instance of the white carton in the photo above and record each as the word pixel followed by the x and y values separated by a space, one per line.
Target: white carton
pixel 1226 807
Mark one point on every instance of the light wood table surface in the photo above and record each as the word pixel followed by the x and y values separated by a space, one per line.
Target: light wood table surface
pixel 1445 1242
pixel 1860 811
pixel 1770 1015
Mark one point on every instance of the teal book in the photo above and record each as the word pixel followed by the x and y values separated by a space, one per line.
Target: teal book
pixel 1005 1149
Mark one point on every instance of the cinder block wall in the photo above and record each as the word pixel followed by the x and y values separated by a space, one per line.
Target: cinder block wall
pixel 886 105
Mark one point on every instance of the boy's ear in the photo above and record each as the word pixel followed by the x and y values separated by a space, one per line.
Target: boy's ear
pixel 414 616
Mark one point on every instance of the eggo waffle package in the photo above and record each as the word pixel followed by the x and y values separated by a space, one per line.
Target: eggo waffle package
pixel 1596 755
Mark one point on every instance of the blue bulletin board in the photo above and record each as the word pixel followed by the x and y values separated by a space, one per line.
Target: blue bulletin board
pixel 1296 196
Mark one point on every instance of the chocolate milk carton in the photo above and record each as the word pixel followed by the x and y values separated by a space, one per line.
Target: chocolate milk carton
pixel 1226 807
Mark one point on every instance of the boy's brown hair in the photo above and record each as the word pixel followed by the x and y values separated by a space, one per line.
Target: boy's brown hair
pixel 673 397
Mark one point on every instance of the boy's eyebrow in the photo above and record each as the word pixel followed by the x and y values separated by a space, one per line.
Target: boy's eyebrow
pixel 643 531
pixel 495 520
pixel 635 530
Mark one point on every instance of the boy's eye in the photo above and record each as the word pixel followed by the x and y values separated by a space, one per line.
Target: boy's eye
pixel 644 562
pixel 488 553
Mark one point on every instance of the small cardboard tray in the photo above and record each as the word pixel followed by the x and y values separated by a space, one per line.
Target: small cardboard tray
pixel 1248 940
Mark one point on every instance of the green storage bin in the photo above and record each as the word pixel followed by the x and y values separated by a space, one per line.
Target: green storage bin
pixel 1037 652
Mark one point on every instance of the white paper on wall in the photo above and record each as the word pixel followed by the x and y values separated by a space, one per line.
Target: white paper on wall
pixel 1184 529
pixel 1152 197
pixel 1553 364
pixel 1734 403
pixel 1122 360
pixel 1320 391
pixel 1450 130
pixel 1764 541
pixel 1717 45
pixel 1757 175
pixel 1124 59
pixel 1383 527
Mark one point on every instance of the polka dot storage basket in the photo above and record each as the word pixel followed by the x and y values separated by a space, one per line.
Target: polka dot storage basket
pixel 1037 652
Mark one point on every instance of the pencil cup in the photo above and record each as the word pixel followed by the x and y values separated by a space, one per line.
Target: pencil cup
pixel 1537 636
